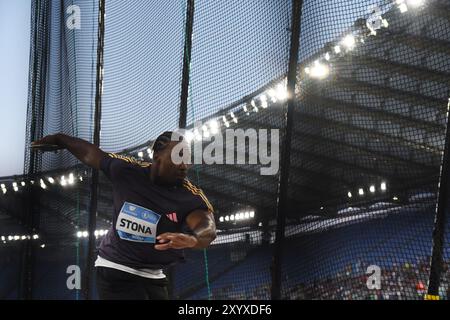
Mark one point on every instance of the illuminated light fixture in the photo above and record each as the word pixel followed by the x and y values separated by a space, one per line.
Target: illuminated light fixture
pixel 255 108
pixel 24 238
pixel 10 238
pixel 96 233
pixel 385 23
pixel 327 56
pixel 247 215
pixel 245 108
pixel 395 198
pixel 79 234
pixel 140 154
pixel 349 41
pixel 85 234
pixel 51 180
pixel 32 181
pixel 63 181
pixel 372 189
pixel 237 217
pixel 415 3
pixel 349 194
pixel 16 238
pixel 337 49
pixel 35 236
pixel 361 192
pixel 197 135
pixel 383 186
pixel 252 214
pixel 16 188
pixel 4 191
pixel 241 216
pixel 3 238
pixel 214 126
pixel 189 136
pixel 281 92
pixel 14 184
pixel 81 178
pixel 3 186
pixel 221 219
pixel 227 218
pixel 319 70
pixel 23 183
pixel 71 179
pixel 273 95
pixel 43 246
pixel 205 131
pixel 232 217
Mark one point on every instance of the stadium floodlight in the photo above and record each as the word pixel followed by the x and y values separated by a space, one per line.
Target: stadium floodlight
pixel 319 70
pixel 349 41
pixel 221 219
pixel 232 217
pixel 263 100
pixel 23 183
pixel 24 238
pixel 273 95
pixel 247 215
pixel 282 92
pixel 214 126
pixel 140 154
pixel 10 238
pixel 85 234
pixel 307 70
pixel 14 184
pixel 35 236
pixel 51 180
pixel 372 188
pixel 349 194
pixel 4 190
pixel 337 49
pixel 16 238
pixel 3 186
pixel 189 136
pixel 3 238
pixel 16 188
pixel 227 218
pixel 383 186
pixel 415 3
pixel 361 191
pixel 395 198
pixel 96 233
pixel 242 216
pixel 43 185
pixel 252 214
pixel 43 246
pixel 327 56
pixel 237 216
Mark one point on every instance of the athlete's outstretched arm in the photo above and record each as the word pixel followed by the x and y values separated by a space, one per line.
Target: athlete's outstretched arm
pixel 84 151
pixel 202 224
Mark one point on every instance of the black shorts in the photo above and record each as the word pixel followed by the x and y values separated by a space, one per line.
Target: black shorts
pixel 114 284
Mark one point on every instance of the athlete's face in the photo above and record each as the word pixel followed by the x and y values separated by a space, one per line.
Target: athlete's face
pixel 166 171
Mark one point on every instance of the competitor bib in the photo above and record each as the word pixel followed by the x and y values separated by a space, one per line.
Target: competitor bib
pixel 136 223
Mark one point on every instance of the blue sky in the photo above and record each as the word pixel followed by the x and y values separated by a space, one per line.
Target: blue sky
pixel 14 57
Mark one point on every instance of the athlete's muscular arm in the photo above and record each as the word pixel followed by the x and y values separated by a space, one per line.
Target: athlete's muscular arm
pixel 202 224
pixel 84 151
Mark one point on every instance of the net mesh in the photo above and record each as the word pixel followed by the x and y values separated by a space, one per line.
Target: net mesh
pixel 369 124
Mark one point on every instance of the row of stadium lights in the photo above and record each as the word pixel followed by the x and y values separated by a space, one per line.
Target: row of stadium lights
pixel 16 238
pixel 63 181
pixel 320 70
pixel 97 233
pixel 372 189
pixel 247 215
pixel 279 92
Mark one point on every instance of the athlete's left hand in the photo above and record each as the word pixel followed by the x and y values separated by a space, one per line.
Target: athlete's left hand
pixel 170 240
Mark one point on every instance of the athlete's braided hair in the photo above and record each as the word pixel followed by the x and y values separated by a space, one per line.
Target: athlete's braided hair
pixel 163 140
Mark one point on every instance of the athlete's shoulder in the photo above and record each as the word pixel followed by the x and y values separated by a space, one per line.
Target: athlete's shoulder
pixel 129 160
pixel 197 192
